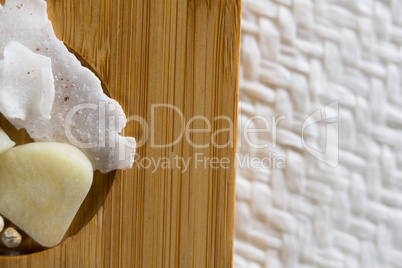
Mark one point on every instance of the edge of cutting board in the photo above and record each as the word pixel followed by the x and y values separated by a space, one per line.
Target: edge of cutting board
pixel 183 53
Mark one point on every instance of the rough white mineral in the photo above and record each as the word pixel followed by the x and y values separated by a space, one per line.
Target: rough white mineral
pixel 26 84
pixel 81 114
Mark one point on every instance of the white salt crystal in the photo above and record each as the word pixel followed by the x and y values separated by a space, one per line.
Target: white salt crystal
pixel 81 113
pixel 26 83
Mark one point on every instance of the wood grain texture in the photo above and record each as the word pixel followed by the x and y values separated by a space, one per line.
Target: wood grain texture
pixel 183 53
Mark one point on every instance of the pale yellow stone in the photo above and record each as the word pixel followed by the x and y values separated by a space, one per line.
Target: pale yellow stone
pixel 42 185
pixel 5 142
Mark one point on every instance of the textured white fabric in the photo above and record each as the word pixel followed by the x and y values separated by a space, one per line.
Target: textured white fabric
pixel 297 57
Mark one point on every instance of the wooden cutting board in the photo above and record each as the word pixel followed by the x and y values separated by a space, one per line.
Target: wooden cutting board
pixel 149 54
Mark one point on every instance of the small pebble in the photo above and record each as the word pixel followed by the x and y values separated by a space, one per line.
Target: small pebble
pixel 11 238
pixel 1 224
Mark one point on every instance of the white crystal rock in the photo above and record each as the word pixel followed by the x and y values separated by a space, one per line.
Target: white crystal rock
pixel 5 142
pixel 81 113
pixel 26 83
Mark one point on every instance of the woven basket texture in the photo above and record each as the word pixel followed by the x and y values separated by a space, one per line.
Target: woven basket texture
pixel 336 65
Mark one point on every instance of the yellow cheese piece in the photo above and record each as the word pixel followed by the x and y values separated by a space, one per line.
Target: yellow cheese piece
pixel 42 186
pixel 5 142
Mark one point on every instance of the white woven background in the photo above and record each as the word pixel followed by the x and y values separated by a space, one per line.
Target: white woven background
pixel 298 56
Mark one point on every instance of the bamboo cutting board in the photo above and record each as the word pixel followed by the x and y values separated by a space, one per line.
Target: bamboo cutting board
pixel 181 53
